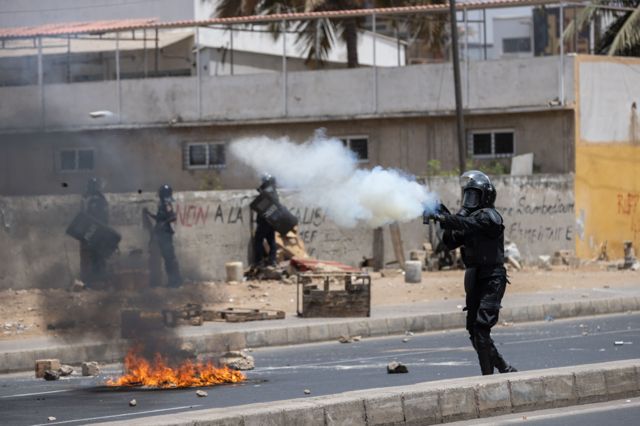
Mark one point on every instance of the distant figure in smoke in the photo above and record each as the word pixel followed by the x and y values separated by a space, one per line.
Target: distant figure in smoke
pixel 163 232
pixel 264 230
pixel 93 262
pixel 479 230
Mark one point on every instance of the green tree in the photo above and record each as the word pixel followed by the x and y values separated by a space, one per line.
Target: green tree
pixel 621 35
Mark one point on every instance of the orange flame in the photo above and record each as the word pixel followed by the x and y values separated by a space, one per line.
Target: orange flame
pixel 158 374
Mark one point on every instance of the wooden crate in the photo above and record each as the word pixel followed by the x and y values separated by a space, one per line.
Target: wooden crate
pixel 340 294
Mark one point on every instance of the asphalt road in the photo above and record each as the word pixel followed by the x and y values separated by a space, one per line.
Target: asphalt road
pixel 327 368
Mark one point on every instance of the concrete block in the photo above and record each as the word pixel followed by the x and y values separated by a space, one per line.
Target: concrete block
pixel 621 382
pixel 396 325
pixel 458 404
pixel 338 329
pixel 590 386
pixel 384 410
pixel 318 333
pixel 90 368
pixel 568 310
pixel 453 320
pixel 225 421
pixel 256 338
pixel 43 365
pixel 421 408
pixel 559 390
pixel 629 304
pixel 506 314
pixel 264 417
pixel 600 306
pixel 304 414
pixel 493 399
pixel 378 327
pixel 277 336
pixel 552 310
pixel 415 324
pixel 615 306
pixel 432 322
pixel 297 335
pixel 345 413
pixel 527 393
pixel 585 308
pixel 359 328
pixel 519 314
pixel 235 341
pixel 535 312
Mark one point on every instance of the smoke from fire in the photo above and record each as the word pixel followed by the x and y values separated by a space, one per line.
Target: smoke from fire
pixel 326 174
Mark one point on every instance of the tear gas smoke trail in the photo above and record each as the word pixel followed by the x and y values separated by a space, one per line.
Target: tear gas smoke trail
pixel 326 174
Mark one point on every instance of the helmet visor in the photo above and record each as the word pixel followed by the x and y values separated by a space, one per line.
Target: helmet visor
pixel 471 198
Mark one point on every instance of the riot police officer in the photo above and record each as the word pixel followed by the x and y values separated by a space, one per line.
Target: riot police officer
pixel 478 229
pixel 264 230
pixel 163 231
pixel 93 262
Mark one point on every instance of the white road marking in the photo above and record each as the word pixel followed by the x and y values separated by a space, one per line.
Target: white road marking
pixel 36 393
pixel 119 415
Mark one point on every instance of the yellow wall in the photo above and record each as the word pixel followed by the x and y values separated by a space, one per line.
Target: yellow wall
pixel 607 191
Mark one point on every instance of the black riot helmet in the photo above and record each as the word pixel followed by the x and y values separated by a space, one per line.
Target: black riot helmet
pixel 477 191
pixel 165 192
pixel 93 186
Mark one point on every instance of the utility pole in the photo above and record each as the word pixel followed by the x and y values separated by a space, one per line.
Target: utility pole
pixel 456 83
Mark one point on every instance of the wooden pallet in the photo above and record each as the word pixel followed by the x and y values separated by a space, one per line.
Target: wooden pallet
pixel 241 314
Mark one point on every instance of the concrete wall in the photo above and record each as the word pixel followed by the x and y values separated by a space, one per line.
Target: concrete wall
pixel 214 227
pixel 501 85
pixel 607 155
pixel 129 160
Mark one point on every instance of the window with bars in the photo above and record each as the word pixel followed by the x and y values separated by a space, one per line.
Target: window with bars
pixel 204 155
pixel 75 159
pixel 359 145
pixel 492 143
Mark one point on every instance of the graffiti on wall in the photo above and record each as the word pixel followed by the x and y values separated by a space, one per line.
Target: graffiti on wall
pixel 528 220
pixel 628 207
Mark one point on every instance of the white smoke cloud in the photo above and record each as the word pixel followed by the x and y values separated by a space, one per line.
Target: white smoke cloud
pixel 326 174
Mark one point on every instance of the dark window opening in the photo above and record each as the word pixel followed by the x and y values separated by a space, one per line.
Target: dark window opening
pixel 516 45
pixel 482 144
pixel 504 143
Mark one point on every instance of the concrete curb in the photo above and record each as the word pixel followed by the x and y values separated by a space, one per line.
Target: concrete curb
pixel 23 360
pixel 430 402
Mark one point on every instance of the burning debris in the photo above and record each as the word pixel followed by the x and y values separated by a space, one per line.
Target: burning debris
pixel 159 374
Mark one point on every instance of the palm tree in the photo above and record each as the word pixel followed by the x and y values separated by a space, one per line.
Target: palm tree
pixel 622 21
pixel 318 36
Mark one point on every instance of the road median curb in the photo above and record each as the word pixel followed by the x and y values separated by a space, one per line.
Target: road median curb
pixel 278 335
pixel 430 402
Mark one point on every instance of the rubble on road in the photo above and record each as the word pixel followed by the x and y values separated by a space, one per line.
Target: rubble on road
pixel 42 365
pixel 51 375
pixel 237 360
pixel 133 403
pixel 77 286
pixel 201 393
pixel 349 339
pixel 65 370
pixel 307 392
pixel 90 368
pixel 51 419
pixel 395 367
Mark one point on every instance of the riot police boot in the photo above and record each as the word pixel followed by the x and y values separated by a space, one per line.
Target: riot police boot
pixel 502 365
pixel 486 361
